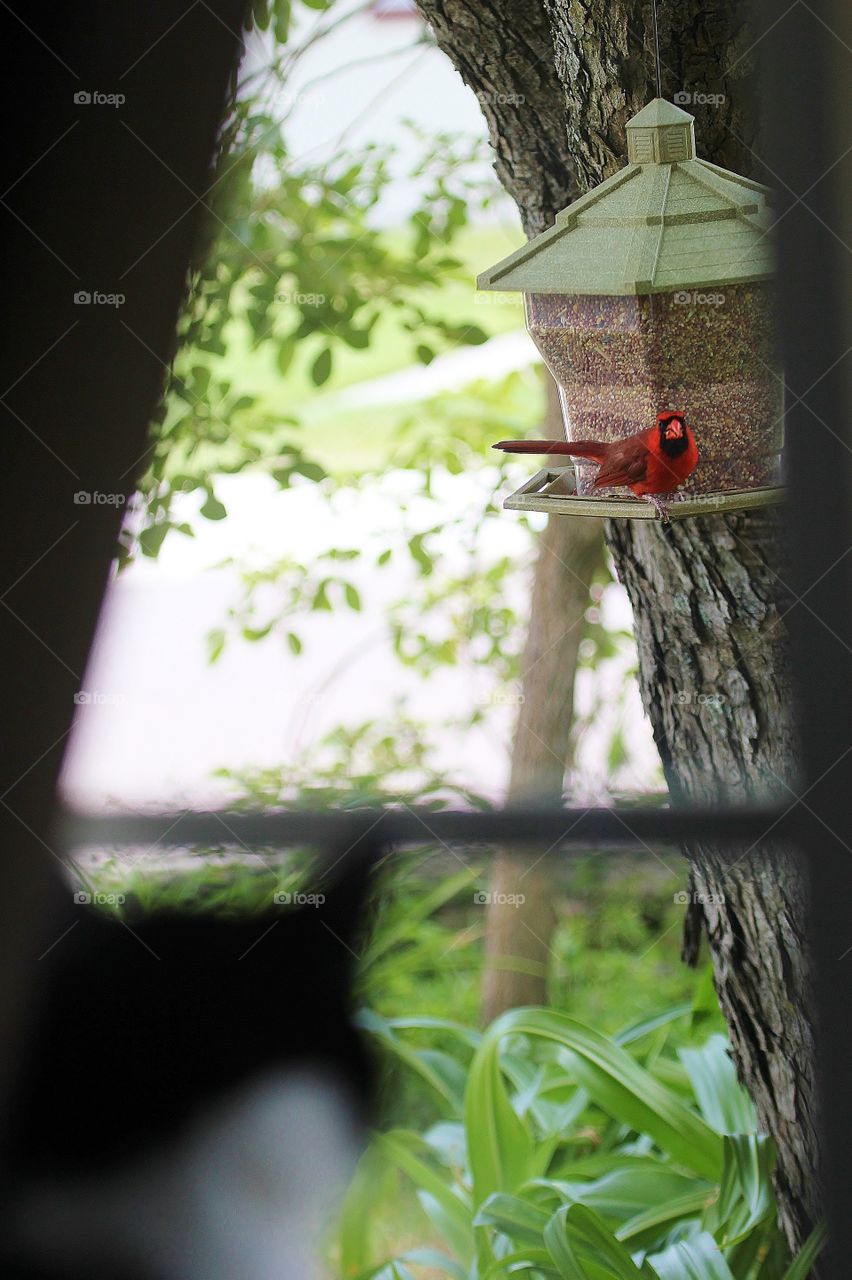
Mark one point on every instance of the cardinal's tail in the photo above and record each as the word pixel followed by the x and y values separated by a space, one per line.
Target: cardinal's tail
pixel 592 449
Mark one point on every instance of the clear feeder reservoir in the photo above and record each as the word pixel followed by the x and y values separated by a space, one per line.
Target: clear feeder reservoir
pixel 618 361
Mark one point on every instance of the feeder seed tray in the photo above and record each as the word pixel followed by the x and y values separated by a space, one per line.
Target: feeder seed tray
pixel 553 490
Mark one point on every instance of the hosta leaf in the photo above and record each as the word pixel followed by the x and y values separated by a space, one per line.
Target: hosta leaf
pixel 637 1030
pixel 455 1233
pixel 355 1213
pixel 623 1193
pixel 697 1259
pixel 722 1100
pixel 745 1192
pixel 447 1140
pixel 523 1260
pixel 645 1227
pixel 451 1215
pixel 500 1146
pixel 443 1073
pixel 582 1246
pixel 620 1086
pixel 516 1216
pixel 435 1261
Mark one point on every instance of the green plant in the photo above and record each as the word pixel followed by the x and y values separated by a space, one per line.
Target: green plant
pixel 565 1153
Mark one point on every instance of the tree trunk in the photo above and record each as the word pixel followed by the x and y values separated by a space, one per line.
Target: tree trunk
pixel 715 683
pixel 521 919
pixel 712 649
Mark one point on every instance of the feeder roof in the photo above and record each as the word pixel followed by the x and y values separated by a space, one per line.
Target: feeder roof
pixel 666 221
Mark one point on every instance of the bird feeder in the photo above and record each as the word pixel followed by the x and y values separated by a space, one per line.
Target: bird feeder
pixel 653 292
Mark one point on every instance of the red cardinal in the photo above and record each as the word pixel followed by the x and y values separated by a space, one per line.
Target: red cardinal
pixel 650 463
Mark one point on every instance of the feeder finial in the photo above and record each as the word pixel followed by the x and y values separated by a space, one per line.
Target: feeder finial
pixel 660 133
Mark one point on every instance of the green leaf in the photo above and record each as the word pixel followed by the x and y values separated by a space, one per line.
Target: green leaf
pixel 260 13
pixel 516 1216
pixel 696 1259
pixel 663 1216
pixel 358 339
pixel 294 643
pixel 500 1146
pixel 575 1234
pixel 425 354
pixel 745 1193
pixel 620 1086
pixel 441 1072
pixel 800 1267
pixel 722 1100
pixel 356 1211
pixel 513 1263
pixel 282 20
pixel 151 539
pixel 420 555
pixel 455 1234
pixel 321 367
pixel 406 1151
pixel 310 470
pixel 253 634
pixel 285 355
pixel 636 1030
pixel 215 644
pixel 435 1261
pixel 213 509
pixel 632 1189
pixel 353 599
pixel 200 380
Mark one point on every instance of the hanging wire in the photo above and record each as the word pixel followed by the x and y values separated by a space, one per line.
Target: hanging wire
pixel 657 49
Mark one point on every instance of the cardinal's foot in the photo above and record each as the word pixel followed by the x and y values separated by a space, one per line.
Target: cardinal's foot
pixel 662 509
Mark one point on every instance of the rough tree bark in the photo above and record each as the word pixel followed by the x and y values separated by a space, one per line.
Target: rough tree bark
pixel 518 935
pixel 707 605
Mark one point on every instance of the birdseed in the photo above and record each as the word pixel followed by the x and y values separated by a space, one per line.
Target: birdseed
pixel 619 361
